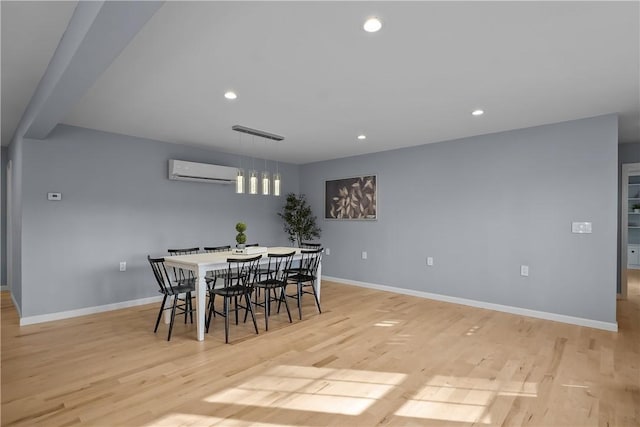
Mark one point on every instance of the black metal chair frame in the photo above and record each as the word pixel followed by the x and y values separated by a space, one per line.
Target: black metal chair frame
pixel 310 245
pixel 183 278
pixel 305 276
pixel 238 282
pixel 212 276
pixel 276 273
pixel 169 289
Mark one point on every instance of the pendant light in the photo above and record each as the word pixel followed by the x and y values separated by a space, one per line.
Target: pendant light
pixel 253 175
pixel 276 177
pixel 253 182
pixel 266 180
pixel 240 172
pixel 265 176
pixel 240 181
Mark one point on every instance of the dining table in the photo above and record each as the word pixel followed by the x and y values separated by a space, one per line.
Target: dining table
pixel 199 264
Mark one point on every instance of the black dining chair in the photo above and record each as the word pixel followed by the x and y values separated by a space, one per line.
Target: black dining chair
pixel 238 284
pixel 211 277
pixel 170 289
pixel 276 280
pixel 180 275
pixel 305 276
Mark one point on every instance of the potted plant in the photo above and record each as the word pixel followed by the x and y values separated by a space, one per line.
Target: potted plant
pixel 241 238
pixel 299 221
pixel 636 208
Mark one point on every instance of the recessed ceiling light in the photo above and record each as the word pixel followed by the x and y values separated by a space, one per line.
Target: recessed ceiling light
pixel 361 137
pixel 477 112
pixel 230 95
pixel 372 25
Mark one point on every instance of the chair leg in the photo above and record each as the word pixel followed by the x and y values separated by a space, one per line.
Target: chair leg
pixel 286 304
pixel 164 300
pixel 226 320
pixel 267 303
pixel 315 295
pixel 190 307
pixel 173 316
pixel 250 309
pixel 299 288
pixel 211 311
pixel 246 310
pixel 235 305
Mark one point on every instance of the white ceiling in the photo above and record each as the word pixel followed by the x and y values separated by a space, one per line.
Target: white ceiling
pixel 30 34
pixel 307 70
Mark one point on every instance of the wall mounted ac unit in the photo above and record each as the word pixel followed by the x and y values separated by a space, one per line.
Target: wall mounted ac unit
pixel 191 171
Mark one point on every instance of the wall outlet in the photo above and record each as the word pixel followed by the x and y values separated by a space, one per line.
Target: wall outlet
pixel 327 251
pixel 429 260
pixel 123 266
pixel 364 255
pixel 524 270
pixel 581 227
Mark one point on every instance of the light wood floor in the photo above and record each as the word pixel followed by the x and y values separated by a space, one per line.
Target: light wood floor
pixel 372 358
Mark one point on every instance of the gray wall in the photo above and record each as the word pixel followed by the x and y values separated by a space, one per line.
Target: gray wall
pixel 483 206
pixel 4 153
pixel 118 205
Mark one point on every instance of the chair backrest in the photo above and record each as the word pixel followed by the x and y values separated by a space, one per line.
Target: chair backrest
pixel 311 245
pixel 179 273
pixel 310 261
pixel 252 244
pixel 241 271
pixel 210 249
pixel 187 251
pixel 160 273
pixel 279 264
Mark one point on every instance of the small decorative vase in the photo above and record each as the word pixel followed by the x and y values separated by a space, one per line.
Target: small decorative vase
pixel 240 246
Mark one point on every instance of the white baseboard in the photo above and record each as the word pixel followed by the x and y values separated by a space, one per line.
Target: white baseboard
pixel 4 288
pixel 597 324
pixel 30 320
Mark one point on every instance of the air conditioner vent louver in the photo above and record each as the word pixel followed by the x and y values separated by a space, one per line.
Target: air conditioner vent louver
pixel 181 170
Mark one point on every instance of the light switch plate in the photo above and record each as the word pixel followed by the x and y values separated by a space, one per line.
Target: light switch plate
pixel 54 196
pixel 581 227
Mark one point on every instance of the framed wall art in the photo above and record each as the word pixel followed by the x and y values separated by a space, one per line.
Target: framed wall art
pixel 351 198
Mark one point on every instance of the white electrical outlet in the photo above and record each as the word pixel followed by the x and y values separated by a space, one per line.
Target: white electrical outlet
pixel 364 255
pixel 123 266
pixel 524 270
pixel 429 261
pixel 581 227
pixel 327 251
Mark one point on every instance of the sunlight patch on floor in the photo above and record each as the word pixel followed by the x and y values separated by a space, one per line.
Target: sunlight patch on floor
pixel 335 391
pixel 180 419
pixel 386 323
pixel 462 399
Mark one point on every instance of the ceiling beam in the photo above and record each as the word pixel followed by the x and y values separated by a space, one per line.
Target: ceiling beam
pixel 97 33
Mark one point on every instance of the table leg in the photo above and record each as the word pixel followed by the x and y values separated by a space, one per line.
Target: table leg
pixel 201 297
pixel 167 310
pixel 318 280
